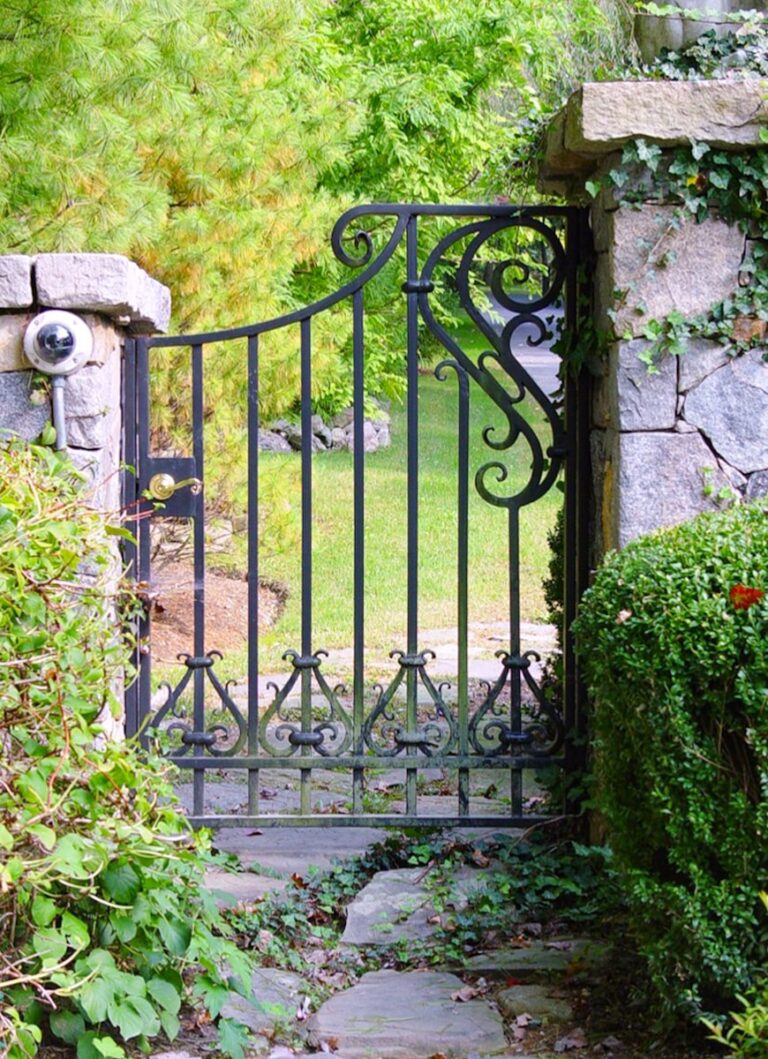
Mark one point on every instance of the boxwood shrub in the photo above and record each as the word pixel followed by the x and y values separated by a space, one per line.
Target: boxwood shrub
pixel 674 639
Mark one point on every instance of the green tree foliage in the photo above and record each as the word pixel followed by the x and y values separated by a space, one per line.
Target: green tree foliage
pixel 102 900
pixel 217 141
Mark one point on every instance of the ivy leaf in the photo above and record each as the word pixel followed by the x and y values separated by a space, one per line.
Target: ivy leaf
pixel 163 992
pixel 46 836
pixel 125 927
pixel 44 910
pixel 75 930
pixel 170 1024
pixel 95 998
pixel 233 1038
pixel 50 945
pixel 176 936
pixel 68 1026
pixel 134 1017
pixel 6 838
pixel 698 150
pixel 108 1047
pixel 121 882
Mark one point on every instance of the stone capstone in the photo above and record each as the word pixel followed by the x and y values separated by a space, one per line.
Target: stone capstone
pixel 655 265
pixel 24 410
pixel 407 1016
pixel 631 396
pixel 602 116
pixel 16 281
pixel 660 480
pixel 274 999
pixel 730 407
pixel 110 284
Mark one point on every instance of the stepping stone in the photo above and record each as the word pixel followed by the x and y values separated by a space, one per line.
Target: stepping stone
pixel 534 1000
pixel 407 1016
pixel 540 957
pixel 275 998
pixel 398 904
pixel 229 888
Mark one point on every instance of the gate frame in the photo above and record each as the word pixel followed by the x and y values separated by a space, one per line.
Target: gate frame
pixel 576 473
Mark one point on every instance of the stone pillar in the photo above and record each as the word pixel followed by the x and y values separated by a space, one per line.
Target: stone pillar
pixel 118 300
pixel 669 443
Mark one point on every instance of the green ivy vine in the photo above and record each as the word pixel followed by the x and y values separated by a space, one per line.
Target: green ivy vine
pixel 703 181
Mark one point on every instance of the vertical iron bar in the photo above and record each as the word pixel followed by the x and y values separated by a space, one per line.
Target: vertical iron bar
pixel 463 586
pixel 515 674
pixel 198 522
pixel 412 368
pixel 129 502
pixel 253 569
pixel 306 553
pixel 358 405
pixel 144 572
pixel 577 514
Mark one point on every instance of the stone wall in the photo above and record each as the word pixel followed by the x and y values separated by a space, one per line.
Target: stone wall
pixel 684 438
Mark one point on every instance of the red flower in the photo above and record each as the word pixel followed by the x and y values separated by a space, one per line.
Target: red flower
pixel 744 597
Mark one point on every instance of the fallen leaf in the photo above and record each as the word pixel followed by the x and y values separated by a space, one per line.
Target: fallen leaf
pixel 252 834
pixel 434 920
pixel 509 982
pixel 464 994
pixel 480 859
pixel 298 881
pixel 561 946
pixel 519 1033
pixel 281 1052
pixel 438 1055
pixel 622 616
pixel 524 1020
pixel 571 1041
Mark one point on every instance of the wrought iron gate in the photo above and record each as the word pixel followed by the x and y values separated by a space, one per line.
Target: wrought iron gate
pixel 507 725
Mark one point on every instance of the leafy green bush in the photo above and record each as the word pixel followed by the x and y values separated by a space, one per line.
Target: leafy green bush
pixel 673 637
pixel 107 929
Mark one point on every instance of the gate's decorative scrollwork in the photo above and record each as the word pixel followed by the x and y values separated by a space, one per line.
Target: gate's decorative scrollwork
pixel 388 734
pixel 491 734
pixel 217 739
pixel 329 734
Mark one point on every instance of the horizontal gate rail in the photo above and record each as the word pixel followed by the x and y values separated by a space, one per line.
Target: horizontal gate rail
pixel 515 727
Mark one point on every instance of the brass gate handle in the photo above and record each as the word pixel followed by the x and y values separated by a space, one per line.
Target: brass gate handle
pixel 163 486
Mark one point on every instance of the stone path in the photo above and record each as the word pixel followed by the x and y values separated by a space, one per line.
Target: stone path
pixel 499 1003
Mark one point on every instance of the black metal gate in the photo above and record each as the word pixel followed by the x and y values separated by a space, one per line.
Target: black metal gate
pixel 506 726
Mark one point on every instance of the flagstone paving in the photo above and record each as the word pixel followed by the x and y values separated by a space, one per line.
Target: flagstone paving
pixel 518 1000
pixel 404 1015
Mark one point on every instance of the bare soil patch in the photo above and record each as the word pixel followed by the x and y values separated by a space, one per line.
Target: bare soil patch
pixel 226 610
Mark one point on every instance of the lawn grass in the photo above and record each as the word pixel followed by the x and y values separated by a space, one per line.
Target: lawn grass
pixel 385 532
pixel 385 521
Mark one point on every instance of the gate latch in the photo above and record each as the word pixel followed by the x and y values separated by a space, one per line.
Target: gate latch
pixel 162 486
